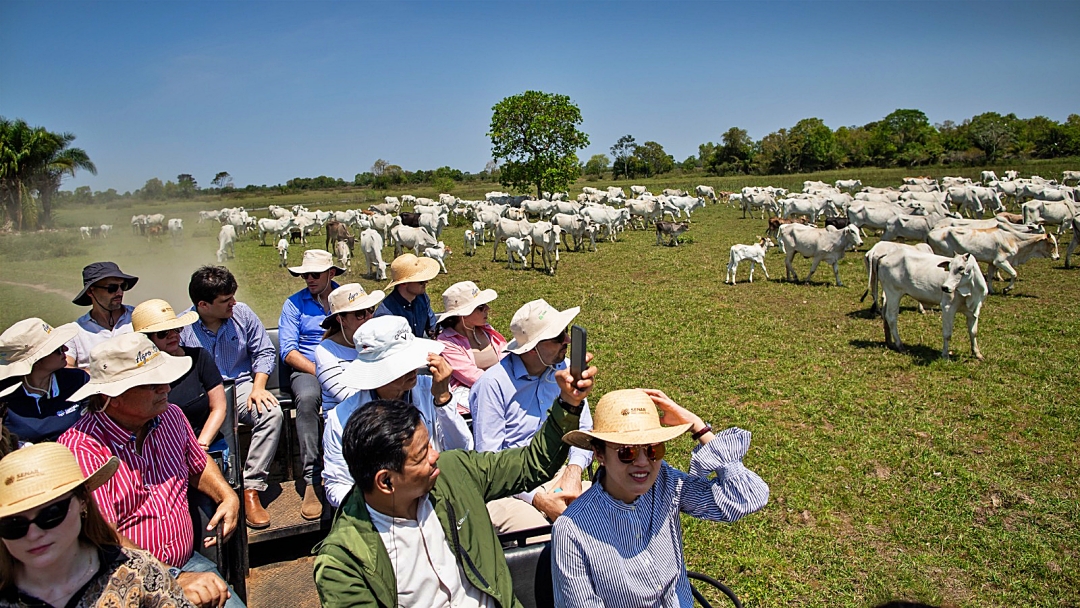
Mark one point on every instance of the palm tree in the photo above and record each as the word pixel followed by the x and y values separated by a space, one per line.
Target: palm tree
pixel 33 160
pixel 62 161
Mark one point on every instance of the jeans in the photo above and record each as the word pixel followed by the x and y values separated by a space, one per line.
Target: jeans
pixel 199 563
pixel 307 396
pixel 265 434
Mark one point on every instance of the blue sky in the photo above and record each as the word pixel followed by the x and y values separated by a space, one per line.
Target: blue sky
pixel 269 91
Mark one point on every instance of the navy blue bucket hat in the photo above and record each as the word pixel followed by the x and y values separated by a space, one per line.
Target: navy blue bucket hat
pixel 97 271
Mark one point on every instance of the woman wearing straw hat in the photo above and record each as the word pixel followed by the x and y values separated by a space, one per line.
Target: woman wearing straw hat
pixel 620 543
pixel 32 356
pixel 350 307
pixel 388 356
pixel 57 549
pixel 472 344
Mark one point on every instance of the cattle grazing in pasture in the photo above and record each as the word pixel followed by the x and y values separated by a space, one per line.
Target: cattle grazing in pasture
pixel 517 247
pixel 671 231
pixel 279 227
pixel 850 185
pixel 754 253
pixel 439 253
pixel 706 192
pixel 777 221
pixel 338 232
pixel 1054 213
pixel 998 247
pixel 879 250
pixel 343 254
pixel 822 244
pixel 470 243
pixel 283 252
pixel 1070 178
pixel 371 244
pixel 988 176
pixel 226 243
pixel 407 237
pixel 176 228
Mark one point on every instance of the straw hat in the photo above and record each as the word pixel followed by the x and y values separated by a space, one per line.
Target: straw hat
pixel 407 268
pixel 536 321
pixel 27 342
pixel 349 297
pixel 626 417
pixel 158 315
pixel 460 299
pixel 93 273
pixel 38 473
pixel 127 361
pixel 316 260
pixel 386 350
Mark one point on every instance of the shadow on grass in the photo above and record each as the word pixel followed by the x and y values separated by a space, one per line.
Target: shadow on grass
pixel 920 354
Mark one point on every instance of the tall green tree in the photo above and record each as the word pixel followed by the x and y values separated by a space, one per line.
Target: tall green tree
pixel 905 138
pixel 535 135
pixel 33 163
pixel 222 180
pixel 622 151
pixel 814 145
pixel 737 152
pixel 597 165
pixel 992 133
pixel 654 160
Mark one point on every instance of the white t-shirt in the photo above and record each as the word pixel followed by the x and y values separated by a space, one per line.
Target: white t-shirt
pixel 424 565
pixel 91 334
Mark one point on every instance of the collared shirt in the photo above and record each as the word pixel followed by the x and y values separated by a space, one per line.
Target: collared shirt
pixel 331 359
pixel 607 553
pixel 91 334
pixel 35 417
pixel 418 312
pixel 147 497
pixel 299 326
pixel 459 354
pixel 241 347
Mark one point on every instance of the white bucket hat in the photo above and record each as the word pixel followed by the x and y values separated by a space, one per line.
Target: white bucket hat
pixel 127 361
pixel 626 417
pixel 158 315
pixel 386 350
pixel 407 268
pixel 317 260
pixel 460 299
pixel 349 297
pixel 27 342
pixel 536 321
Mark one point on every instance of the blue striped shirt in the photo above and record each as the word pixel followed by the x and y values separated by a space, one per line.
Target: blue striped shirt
pixel 606 553
pixel 241 347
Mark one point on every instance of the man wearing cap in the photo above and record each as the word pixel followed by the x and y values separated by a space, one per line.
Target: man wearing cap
pixel 235 337
pixel 509 404
pixel 103 291
pixel 299 332
pixel 385 367
pixel 32 362
pixel 146 500
pixel 408 293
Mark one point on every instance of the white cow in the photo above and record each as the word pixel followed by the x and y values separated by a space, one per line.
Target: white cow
pixel 988 176
pixel 873 215
pixel 686 204
pixel 518 247
pixel 470 243
pixel 283 251
pixel 758 200
pixel 706 192
pixel 638 191
pixel 384 224
pixel 434 224
pixel 344 256
pixel 84 232
pixel 606 217
pixel 545 237
pixel 956 284
pixel 823 245
pixel 878 251
pixel 104 230
pixel 810 207
pixel 998 247
pixel 1011 174
pixel 1075 240
pixel 851 185
pixel 910 227
pixel 226 242
pixel 439 253
pixel 176 228
pixel 371 244
pixel 646 211
pixel 674 192
pixel 1070 177
pixel 407 237
pixel 573 226
pixel 755 253
pixel 279 227
pixel 479 230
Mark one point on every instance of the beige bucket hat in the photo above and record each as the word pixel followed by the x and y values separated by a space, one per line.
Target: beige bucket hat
pixel 27 342
pixel 349 297
pixel 317 260
pixel 407 268
pixel 127 361
pixel 536 321
pixel 386 350
pixel 626 417
pixel 460 299
pixel 38 473
pixel 158 315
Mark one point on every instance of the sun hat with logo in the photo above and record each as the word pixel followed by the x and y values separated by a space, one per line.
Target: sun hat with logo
pixel 349 297
pixel 386 350
pixel 127 361
pixel 316 260
pixel 157 315
pixel 38 473
pixel 626 417
pixel 536 321
pixel 460 299
pixel 27 342
pixel 407 268
pixel 93 273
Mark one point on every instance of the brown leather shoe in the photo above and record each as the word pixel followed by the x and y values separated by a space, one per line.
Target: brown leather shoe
pixel 312 507
pixel 254 513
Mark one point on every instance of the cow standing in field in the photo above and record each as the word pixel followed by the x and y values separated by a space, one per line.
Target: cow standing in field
pixel 344 256
pixel 439 253
pixel 283 251
pixel 371 244
pixel 754 253
pixel 996 246
pixel 822 244
pixel 878 251
pixel 1075 240
pixel 226 242
pixel 706 192
pixel 672 231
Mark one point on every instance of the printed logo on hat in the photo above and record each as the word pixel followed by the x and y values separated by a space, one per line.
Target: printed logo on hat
pixel 352 296
pixel 403 333
pixel 45 327
pixel 475 291
pixel 144 356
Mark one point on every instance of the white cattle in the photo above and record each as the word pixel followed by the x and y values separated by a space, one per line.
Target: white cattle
pixel 138 224
pixel 226 242
pixel 872 215
pixel 371 244
pixel 407 237
pixel 518 247
pixel 1075 240
pixel 823 245
pixel 810 207
pixel 811 186
pixel 1011 175
pixel 384 224
pixel 514 214
pixel 674 192
pixel 955 284
pixel 439 253
pixel 539 208
pixel 573 226
pixel 877 197
pixel 505 228
pixel 84 232
pixel 565 207
pixel 921 181
pixel 686 204
pixel 988 176
pixel 408 199
pixel 646 211
pixel 392 200
pixel 207 215
pixel 878 251
pixel 638 191
pixel 283 251
pixel 1054 213
pixel 176 228
pixel 156 219
pixel 755 253
pixel 758 200
pixel 434 209
pixel 1003 249
pixel 488 218
pixel 344 256
pixel 606 217
pixel 910 227
pixel 988 199
pixel 386 208
pixel 479 231
pixel 545 237
pixel 929 197
pixel 434 224
pixel 952 182
pixel 470 243
pixel 104 229
pixel 615 192
pixel 851 185
pixel 1070 177
pixel 447 199
pixel 279 227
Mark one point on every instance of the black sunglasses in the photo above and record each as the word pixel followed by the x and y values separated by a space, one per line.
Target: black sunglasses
pixel 312 275
pixel 559 338
pixel 112 287
pixel 161 335
pixel 16 527
pixel 629 453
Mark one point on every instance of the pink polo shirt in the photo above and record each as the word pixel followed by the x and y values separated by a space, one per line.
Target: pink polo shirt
pixel 147 497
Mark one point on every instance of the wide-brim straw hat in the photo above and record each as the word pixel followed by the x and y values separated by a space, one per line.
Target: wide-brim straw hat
pixel 386 350
pixel 407 268
pixel 460 299
pixel 350 297
pixel 93 273
pixel 316 260
pixel 27 342
pixel 626 417
pixel 536 321
pixel 126 361
pixel 158 315
pixel 39 473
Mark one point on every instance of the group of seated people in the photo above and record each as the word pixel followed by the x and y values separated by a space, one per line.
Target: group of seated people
pixel 392 385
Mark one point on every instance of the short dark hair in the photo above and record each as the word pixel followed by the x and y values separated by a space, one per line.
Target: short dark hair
pixel 375 437
pixel 449 322
pixel 209 282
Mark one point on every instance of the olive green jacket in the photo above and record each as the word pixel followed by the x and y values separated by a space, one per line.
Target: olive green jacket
pixel 352 567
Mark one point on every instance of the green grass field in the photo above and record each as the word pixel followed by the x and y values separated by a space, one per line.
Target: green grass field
pixel 892 475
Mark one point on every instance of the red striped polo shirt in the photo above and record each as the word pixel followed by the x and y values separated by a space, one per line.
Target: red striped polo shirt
pixel 147 497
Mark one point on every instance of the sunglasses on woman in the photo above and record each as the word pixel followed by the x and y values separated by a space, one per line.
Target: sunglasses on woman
pixel 629 453
pixel 161 335
pixel 16 526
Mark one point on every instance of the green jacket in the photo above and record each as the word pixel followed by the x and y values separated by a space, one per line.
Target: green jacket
pixel 352 567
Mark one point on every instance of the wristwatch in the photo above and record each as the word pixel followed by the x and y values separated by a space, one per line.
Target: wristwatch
pixel 573 410
pixel 705 429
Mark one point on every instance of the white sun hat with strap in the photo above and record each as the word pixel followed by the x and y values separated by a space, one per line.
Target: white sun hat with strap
pixel 127 361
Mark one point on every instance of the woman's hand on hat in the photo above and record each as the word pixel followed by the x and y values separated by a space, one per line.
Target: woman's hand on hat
pixel 571 393
pixel 671 413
